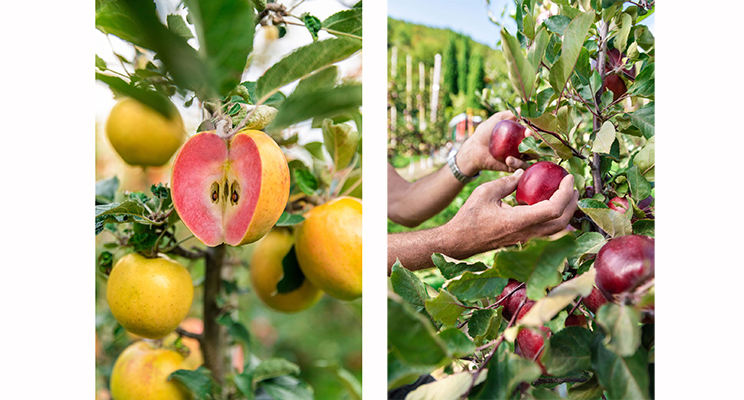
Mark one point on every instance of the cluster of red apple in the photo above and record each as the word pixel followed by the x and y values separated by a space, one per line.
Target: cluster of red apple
pixel 622 264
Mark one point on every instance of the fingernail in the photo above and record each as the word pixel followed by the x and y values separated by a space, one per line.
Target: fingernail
pixel 518 173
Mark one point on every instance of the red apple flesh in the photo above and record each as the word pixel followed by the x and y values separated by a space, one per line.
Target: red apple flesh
pixel 505 140
pixel 539 182
pixel 624 262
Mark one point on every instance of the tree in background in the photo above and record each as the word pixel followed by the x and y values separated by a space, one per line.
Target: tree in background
pixel 449 64
pixel 475 81
pixel 463 60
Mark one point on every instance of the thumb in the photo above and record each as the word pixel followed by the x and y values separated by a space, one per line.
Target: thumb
pixel 501 188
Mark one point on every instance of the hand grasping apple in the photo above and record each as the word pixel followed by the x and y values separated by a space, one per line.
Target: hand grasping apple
pixel 474 155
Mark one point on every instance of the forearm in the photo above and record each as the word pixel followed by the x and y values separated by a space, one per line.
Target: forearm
pixel 411 204
pixel 414 249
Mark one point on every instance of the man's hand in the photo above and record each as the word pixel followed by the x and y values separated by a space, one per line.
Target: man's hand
pixel 485 216
pixel 474 156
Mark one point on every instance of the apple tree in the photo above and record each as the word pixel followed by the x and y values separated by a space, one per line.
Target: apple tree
pixel 570 316
pixel 198 56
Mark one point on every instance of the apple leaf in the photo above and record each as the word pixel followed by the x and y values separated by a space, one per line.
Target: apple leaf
pixel 622 377
pixel 399 374
pixel 481 320
pixel 287 219
pixel 538 263
pixel 152 99
pixel 604 138
pixel 560 149
pixel 341 141
pixel 589 390
pixel 178 26
pixel 645 227
pixel 568 351
pixel 557 24
pixel 451 268
pixel 198 382
pixel 537 50
pixel 324 78
pixel 644 85
pixel 457 342
pixel 643 119
pixel 321 103
pixel 271 368
pixel 621 39
pixel 445 308
pixel 573 40
pixel 588 243
pixel 346 378
pixel 106 190
pixel 293 278
pixel 521 72
pixel 451 387
pixel 621 324
pixel 285 387
pixel 112 17
pixel 612 222
pixel 126 211
pixel 347 21
pixel 505 372
pixel 549 306
pixel 409 287
pixel 472 286
pixel 645 158
pixel 302 62
pixel 529 145
pixel 411 336
pixel 639 186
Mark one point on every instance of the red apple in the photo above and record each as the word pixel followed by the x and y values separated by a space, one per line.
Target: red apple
pixel 594 300
pixel 615 84
pixel 576 320
pixel 531 341
pixel 505 140
pixel 539 182
pixel 615 59
pixel 512 303
pixel 624 262
pixel 619 204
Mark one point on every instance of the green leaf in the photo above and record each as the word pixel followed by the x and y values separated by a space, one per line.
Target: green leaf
pixel 645 158
pixel 457 342
pixel 568 351
pixel 271 368
pixel 106 190
pixel 113 17
pixel 528 26
pixel 412 337
pixel 315 149
pixel 274 99
pixel 557 24
pixel 152 99
pixel 340 141
pixel 505 372
pixel 612 222
pixel 448 388
pixel 621 39
pixel 521 72
pixel 325 78
pixel 125 211
pixel 409 287
pixel 622 377
pixel 472 286
pixel 225 32
pixel 545 394
pixel 306 181
pixel 489 329
pixel 445 308
pixel 178 26
pixel 589 390
pixel 604 138
pixel 347 379
pixel 293 277
pixel 479 321
pixel 452 269
pixel 621 324
pixel 530 146
pixel 644 85
pixel 322 103
pixel 100 64
pixel 198 382
pixel 312 24
pixel 287 219
pixel 639 186
pixel 285 388
pixel 537 51
pixel 236 330
pixel 643 119
pixel 588 243
pixel 538 264
pixel 645 227
pixel 399 374
pixel 302 62
pixel 347 21
pixel 573 40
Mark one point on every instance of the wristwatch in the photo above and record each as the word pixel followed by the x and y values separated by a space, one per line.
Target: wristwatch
pixel 456 171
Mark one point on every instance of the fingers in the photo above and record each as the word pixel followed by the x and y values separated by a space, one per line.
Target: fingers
pixel 515 164
pixel 500 188
pixel 557 205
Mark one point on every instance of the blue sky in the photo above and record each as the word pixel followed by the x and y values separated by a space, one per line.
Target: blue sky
pixel 464 16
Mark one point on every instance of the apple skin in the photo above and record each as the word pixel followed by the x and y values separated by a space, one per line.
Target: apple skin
pixel 512 303
pixel 539 182
pixel 619 204
pixel 594 300
pixel 615 59
pixel 575 320
pixel 616 85
pixel 624 262
pixel 529 340
pixel 505 140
